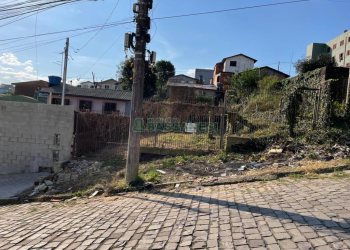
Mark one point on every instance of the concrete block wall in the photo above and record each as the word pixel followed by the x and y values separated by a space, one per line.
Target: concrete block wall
pixel 34 135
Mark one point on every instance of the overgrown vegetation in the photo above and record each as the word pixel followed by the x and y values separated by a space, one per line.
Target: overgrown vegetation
pixel 306 65
pixel 155 77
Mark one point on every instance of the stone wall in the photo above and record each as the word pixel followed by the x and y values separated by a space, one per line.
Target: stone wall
pixel 318 89
pixel 33 136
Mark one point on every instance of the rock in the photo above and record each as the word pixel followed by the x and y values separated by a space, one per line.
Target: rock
pixel 242 168
pixel 40 188
pixel 161 171
pixel 33 193
pixel 279 164
pixel 48 183
pixel 94 194
pixel 275 151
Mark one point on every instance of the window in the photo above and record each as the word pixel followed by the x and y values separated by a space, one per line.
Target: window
pixel 348 53
pixel 349 39
pixel 57 140
pixel 233 63
pixel 57 101
pixel 106 86
pixel 334 46
pixel 85 106
pixel 201 78
pixel 348 65
pixel 218 79
pixel 341 57
pixel 328 49
pixel 109 108
pixel 342 43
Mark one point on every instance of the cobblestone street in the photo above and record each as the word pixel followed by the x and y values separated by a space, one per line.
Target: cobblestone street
pixel 285 214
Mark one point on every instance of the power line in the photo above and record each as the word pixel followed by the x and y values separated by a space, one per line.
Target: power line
pixel 103 54
pixel 230 10
pixel 103 26
pixel 113 24
pixel 99 30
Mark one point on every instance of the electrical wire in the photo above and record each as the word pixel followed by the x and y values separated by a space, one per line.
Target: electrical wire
pixel 99 30
pixel 109 25
pixel 230 10
pixel 161 18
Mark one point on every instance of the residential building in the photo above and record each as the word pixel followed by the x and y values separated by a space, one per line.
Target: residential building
pixel 5 88
pixel 338 48
pixel 29 88
pixel 204 76
pixel 268 71
pixel 187 89
pixel 105 101
pixel 229 66
pixel 107 84
pixel 86 85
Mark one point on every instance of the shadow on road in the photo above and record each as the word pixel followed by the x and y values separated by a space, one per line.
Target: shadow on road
pixel 313 222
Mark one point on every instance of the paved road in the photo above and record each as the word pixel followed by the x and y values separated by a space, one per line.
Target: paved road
pixel 12 184
pixel 287 214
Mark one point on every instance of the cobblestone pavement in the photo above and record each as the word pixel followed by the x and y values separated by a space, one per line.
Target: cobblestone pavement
pixel 286 214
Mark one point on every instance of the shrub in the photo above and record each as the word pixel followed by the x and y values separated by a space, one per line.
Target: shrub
pixel 306 65
pixel 243 84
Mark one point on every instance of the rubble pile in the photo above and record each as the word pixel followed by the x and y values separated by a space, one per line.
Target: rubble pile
pixel 72 170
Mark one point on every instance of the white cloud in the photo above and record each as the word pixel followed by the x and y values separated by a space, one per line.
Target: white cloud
pixel 12 69
pixel 190 72
pixel 11 60
pixel 29 69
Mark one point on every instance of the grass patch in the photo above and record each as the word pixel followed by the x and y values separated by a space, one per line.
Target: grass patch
pixel 296 176
pixel 151 175
pixel 340 174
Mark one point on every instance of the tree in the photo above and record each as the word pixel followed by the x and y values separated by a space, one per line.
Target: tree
pixel 164 70
pixel 306 65
pixel 243 84
pixel 125 73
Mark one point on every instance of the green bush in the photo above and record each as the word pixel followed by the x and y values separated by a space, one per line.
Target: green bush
pixel 306 65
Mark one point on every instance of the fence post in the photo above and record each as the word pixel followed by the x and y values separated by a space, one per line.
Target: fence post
pixel 222 128
pixel 209 124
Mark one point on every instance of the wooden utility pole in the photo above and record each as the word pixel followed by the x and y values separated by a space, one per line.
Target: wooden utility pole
pixel 65 71
pixel 142 37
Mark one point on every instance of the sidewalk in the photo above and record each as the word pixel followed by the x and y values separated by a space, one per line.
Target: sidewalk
pixel 13 184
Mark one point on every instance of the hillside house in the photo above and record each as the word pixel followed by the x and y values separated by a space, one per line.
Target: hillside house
pixel 183 88
pixel 28 88
pixel 229 66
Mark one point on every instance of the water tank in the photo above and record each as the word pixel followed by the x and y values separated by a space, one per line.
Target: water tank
pixel 54 80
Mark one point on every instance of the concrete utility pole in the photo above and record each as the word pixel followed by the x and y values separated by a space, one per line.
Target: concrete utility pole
pixel 65 71
pixel 142 38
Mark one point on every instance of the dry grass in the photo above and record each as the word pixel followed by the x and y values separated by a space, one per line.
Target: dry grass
pixel 306 167
pixel 179 140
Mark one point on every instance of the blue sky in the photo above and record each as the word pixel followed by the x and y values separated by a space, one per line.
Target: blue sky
pixel 271 35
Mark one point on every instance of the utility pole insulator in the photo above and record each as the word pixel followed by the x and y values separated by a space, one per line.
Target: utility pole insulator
pixel 153 57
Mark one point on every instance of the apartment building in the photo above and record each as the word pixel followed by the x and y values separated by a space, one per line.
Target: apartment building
pixel 338 48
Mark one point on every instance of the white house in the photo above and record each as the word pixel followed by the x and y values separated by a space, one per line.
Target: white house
pixel 105 101
pixel 238 63
pixel 231 65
